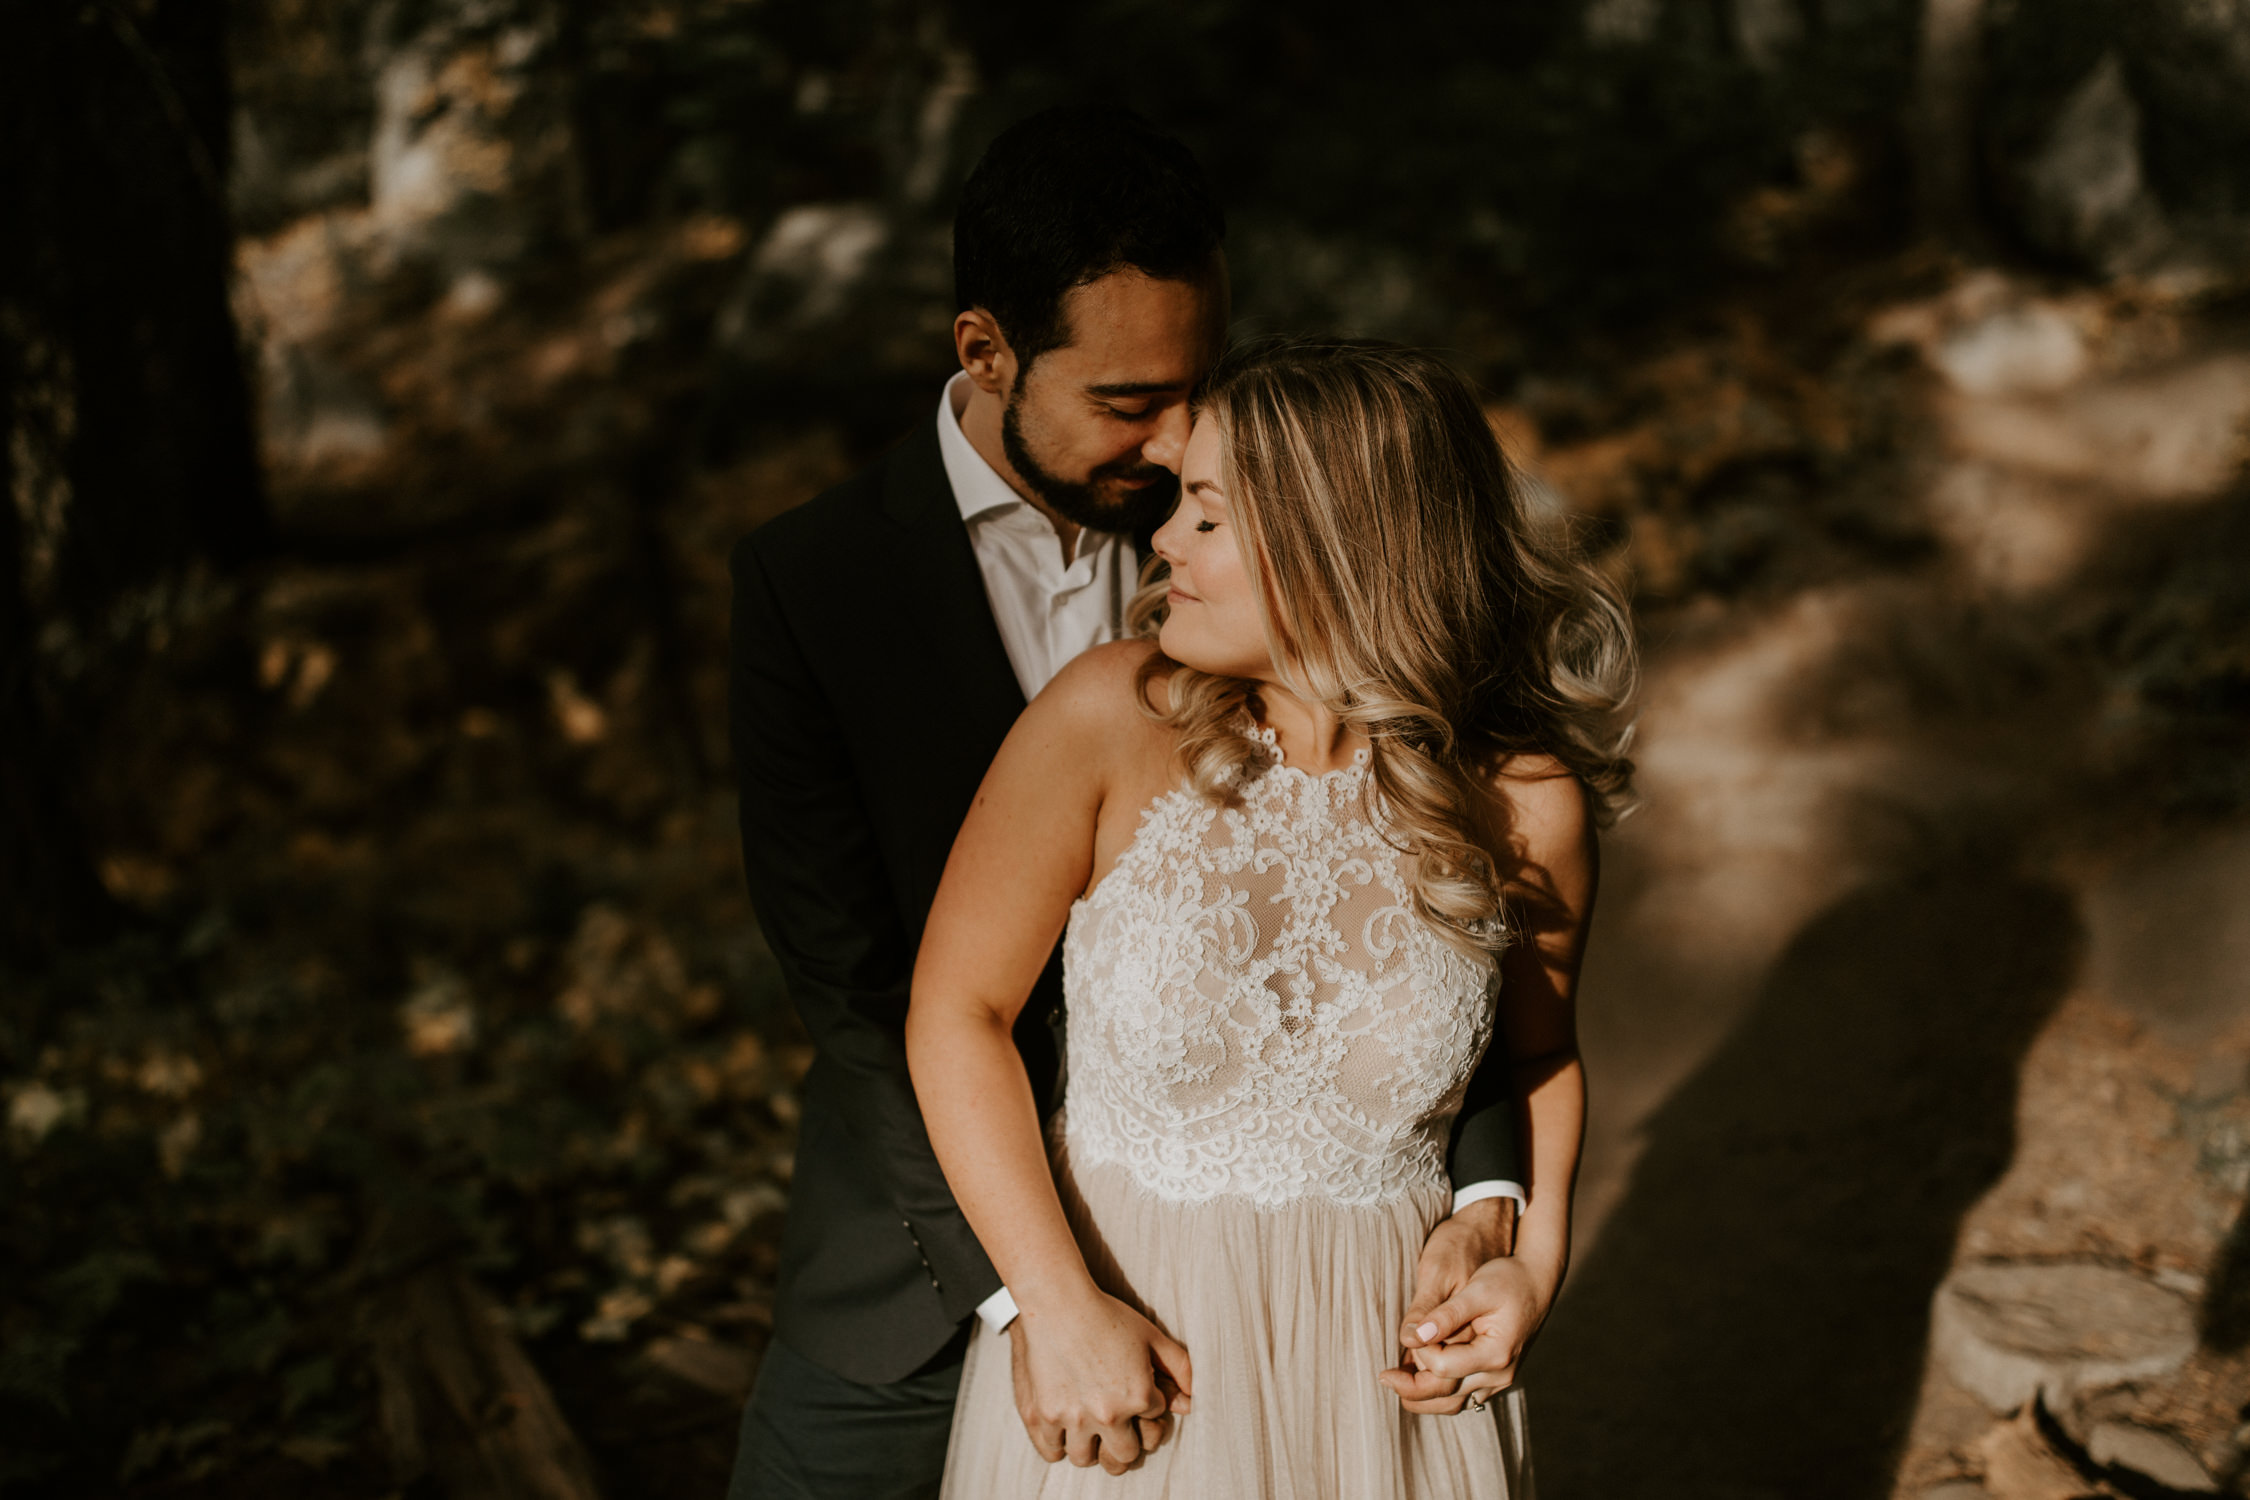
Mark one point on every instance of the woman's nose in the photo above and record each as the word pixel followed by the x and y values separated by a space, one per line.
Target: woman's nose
pixel 1162 543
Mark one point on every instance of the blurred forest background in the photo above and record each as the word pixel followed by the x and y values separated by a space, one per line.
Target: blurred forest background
pixel 398 1095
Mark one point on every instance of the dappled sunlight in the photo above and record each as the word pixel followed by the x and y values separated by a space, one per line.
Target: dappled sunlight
pixel 395 1089
pixel 1959 736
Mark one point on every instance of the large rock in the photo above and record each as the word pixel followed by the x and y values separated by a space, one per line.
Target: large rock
pixel 2020 1463
pixel 2083 194
pixel 2113 132
pixel 2007 1331
pixel 2171 435
pixel 2151 1454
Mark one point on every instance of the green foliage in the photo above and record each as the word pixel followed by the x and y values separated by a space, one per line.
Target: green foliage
pixel 581 1088
pixel 426 826
pixel 1513 151
pixel 185 1293
pixel 1504 148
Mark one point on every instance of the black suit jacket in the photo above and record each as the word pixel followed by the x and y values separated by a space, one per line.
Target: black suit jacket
pixel 869 693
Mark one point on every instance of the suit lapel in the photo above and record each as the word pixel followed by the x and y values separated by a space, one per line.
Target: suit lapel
pixel 951 664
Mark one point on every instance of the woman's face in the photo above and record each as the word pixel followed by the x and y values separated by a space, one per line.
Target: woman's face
pixel 1214 625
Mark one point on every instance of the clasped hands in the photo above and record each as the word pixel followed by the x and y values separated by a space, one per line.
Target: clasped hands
pixel 1474 1311
pixel 1097 1382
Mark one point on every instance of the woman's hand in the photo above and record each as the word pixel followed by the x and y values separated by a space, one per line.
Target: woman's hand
pixel 1448 1301
pixel 1470 1343
pixel 1096 1382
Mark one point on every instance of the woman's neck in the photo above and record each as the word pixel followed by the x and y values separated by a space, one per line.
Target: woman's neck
pixel 1311 738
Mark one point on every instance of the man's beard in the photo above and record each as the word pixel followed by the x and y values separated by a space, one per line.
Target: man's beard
pixel 1139 512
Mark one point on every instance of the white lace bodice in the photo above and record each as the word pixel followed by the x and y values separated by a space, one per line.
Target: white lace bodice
pixel 1256 1009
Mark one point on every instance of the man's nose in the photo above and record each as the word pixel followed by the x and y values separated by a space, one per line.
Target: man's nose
pixel 1168 443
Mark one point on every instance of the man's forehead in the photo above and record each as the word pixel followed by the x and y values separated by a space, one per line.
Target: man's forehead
pixel 1126 368
pixel 1132 334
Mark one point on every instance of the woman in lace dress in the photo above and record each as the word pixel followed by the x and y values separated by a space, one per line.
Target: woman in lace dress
pixel 1309 842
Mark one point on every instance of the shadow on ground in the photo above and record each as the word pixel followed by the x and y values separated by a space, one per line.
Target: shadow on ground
pixel 1751 1322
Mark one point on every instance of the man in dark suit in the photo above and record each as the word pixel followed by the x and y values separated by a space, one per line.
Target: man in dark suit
pixel 886 636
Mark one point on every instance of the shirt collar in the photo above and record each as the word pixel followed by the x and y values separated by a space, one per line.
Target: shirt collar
pixel 977 487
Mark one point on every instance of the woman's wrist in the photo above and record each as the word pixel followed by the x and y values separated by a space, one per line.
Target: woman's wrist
pixel 1544 1251
pixel 1056 1293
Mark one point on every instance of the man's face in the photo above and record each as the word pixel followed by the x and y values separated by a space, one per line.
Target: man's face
pixel 1097 427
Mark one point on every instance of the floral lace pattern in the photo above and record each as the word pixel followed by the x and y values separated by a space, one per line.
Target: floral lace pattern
pixel 1256 1009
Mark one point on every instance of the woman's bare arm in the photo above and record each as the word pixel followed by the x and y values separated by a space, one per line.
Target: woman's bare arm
pixel 1086 1363
pixel 1476 1336
pixel 1553 909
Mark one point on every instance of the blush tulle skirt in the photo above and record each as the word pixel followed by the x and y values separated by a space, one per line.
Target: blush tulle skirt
pixel 1287 1314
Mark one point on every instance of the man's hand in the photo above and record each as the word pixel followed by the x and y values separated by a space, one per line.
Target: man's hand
pixel 1097 1383
pixel 1475 1309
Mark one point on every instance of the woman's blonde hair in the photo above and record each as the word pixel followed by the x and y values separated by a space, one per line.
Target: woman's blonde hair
pixel 1405 588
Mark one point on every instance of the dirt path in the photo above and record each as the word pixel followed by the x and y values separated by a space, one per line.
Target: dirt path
pixel 1915 962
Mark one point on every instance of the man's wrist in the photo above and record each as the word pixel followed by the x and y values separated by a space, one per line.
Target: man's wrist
pixel 1491 1187
pixel 1490 1223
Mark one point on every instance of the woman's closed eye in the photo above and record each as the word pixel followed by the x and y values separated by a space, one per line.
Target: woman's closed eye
pixel 1206 526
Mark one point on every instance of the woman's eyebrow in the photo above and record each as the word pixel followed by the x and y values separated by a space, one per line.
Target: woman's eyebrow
pixel 1198 486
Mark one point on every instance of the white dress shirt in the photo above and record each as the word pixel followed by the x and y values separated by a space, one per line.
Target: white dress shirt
pixel 1048 612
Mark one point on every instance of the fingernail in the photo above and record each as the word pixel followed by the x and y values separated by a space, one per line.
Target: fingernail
pixel 1426 1332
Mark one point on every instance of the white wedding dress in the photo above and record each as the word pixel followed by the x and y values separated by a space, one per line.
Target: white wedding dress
pixel 1267 1049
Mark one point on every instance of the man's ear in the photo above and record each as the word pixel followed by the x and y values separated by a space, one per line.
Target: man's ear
pixel 984 351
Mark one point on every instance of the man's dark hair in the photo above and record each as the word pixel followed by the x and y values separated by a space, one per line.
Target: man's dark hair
pixel 1066 197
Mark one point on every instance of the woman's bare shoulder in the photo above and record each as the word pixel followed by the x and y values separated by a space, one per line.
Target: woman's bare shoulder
pixel 1096 699
pixel 1099 680
pixel 1547 810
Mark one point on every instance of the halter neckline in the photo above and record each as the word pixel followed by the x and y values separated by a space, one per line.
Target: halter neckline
pixel 1267 740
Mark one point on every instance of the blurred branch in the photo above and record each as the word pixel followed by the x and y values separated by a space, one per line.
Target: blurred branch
pixel 1942 130
pixel 457 1397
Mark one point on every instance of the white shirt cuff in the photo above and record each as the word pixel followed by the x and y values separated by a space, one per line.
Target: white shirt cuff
pixel 999 1309
pixel 1475 1192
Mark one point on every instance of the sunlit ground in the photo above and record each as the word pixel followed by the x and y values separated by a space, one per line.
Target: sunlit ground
pixel 1909 963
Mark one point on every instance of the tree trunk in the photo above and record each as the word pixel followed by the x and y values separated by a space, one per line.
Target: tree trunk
pixel 50 898
pixel 163 468
pixel 1942 130
pixel 458 1401
pixel 127 447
